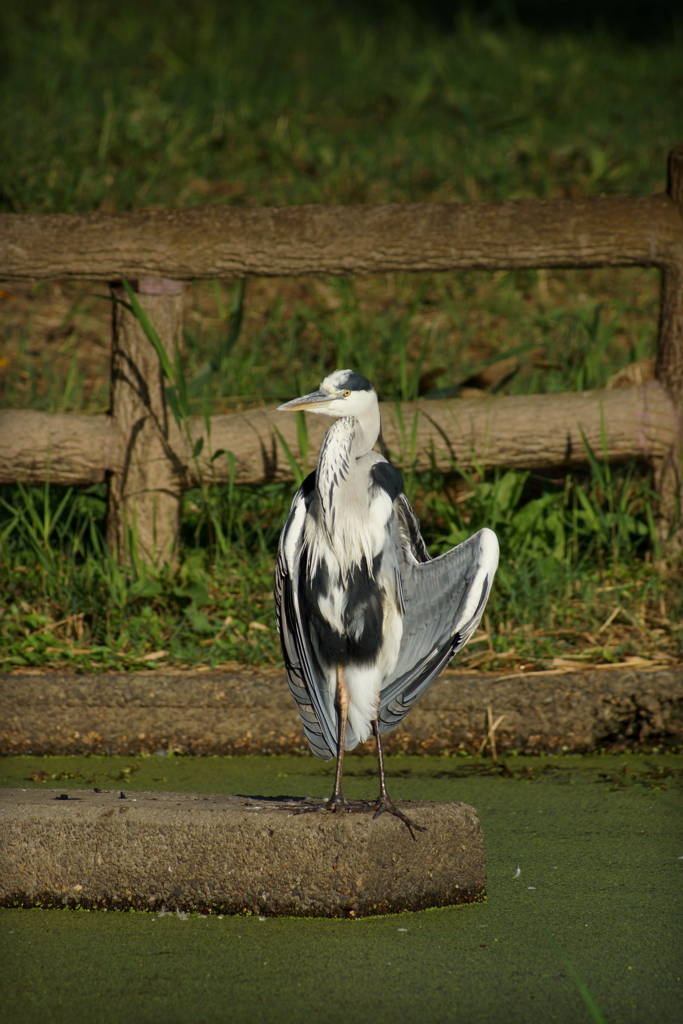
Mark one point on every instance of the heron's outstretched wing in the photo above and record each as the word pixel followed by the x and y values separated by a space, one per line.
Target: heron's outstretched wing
pixel 307 680
pixel 444 600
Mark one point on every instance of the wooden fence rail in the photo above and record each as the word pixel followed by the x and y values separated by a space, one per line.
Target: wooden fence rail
pixel 228 242
pixel 148 462
pixel 544 433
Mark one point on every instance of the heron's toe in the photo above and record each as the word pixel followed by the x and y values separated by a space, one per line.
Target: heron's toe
pixel 383 805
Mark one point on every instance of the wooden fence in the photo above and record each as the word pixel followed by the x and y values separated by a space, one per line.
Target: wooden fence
pixel 147 460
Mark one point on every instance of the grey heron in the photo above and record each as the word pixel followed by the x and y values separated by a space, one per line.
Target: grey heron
pixel 367 619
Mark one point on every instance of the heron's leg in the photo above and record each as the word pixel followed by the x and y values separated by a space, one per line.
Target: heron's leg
pixel 383 803
pixel 383 795
pixel 336 801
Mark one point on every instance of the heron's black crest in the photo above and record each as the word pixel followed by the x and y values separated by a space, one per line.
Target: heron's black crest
pixel 355 382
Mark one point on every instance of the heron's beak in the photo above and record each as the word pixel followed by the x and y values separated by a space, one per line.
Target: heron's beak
pixel 311 402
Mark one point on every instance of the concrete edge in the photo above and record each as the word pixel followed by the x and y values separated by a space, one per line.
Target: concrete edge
pixel 232 855
pixel 251 711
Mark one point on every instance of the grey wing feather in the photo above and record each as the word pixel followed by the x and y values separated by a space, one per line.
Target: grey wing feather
pixel 444 599
pixel 306 678
pixel 411 541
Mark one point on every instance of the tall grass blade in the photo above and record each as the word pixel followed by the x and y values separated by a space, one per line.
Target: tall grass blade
pixel 150 333
pixel 302 438
pixel 298 471
pixel 585 993
pixel 217 360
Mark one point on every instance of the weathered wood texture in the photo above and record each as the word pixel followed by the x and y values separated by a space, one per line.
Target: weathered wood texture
pixel 515 431
pixel 669 370
pixel 215 242
pixel 539 432
pixel 70 448
pixel 145 480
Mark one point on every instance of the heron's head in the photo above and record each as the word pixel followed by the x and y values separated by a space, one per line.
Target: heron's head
pixel 343 393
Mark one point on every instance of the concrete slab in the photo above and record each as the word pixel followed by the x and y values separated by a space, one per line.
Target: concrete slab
pixel 250 710
pixel 230 854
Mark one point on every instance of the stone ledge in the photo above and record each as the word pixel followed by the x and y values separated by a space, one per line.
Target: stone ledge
pixel 232 855
pixel 251 711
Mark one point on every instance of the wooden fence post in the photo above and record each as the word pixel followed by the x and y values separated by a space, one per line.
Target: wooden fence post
pixel 669 370
pixel 145 488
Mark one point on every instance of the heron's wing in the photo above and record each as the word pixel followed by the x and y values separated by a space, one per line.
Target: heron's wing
pixel 444 600
pixel 307 680
pixel 412 542
pixel 410 539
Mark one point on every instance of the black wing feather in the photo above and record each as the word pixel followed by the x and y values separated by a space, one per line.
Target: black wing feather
pixel 304 674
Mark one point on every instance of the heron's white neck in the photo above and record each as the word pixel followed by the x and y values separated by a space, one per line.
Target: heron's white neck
pixel 366 431
pixel 343 499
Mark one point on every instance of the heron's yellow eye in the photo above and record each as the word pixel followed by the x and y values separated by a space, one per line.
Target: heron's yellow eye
pixel 346 394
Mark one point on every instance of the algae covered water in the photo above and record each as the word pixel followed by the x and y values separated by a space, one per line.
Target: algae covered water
pixel 583 920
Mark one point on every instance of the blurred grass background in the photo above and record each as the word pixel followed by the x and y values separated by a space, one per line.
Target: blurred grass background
pixel 106 106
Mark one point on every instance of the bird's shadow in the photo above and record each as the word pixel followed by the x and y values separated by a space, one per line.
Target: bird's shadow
pixel 302 802
pixel 282 798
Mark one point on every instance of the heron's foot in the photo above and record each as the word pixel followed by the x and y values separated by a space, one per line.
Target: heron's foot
pixel 383 804
pixel 337 804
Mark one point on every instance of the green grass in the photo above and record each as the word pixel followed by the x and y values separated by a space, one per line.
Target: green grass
pixel 274 102
pixel 103 106
pixel 577 577
pixel 410 334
